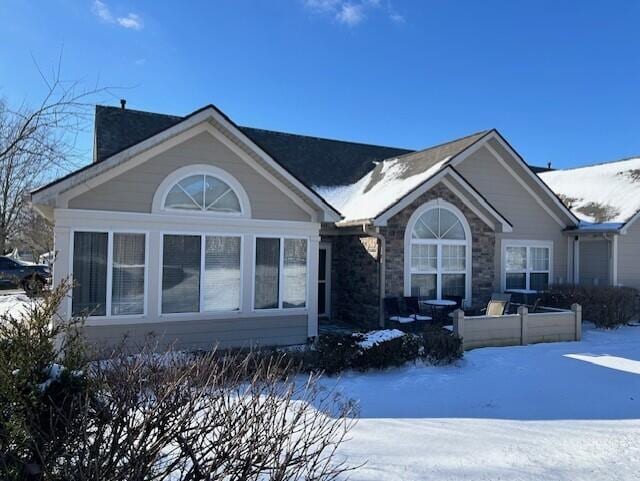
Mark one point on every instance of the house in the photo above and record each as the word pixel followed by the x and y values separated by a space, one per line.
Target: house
pixel 206 232
pixel 606 199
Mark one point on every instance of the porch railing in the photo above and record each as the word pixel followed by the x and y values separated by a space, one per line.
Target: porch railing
pixel 551 325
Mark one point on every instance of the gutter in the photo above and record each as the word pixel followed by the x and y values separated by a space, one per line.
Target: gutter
pixel 381 266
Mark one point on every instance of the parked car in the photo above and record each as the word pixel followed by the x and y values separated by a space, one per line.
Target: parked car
pixel 30 277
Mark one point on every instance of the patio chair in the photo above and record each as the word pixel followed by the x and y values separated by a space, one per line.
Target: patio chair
pixel 496 308
pixel 412 304
pixel 535 306
pixel 393 313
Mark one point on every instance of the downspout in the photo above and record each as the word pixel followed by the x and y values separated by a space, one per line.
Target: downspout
pixel 382 261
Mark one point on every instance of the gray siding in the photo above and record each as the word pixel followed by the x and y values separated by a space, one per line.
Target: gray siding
pixel 204 334
pixel 133 191
pixel 629 257
pixel 530 221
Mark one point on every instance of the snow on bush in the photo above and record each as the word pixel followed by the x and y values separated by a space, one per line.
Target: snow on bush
pixel 372 338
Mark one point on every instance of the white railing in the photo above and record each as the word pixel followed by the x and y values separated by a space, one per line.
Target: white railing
pixel 519 329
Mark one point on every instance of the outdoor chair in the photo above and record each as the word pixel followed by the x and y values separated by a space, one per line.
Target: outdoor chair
pixel 496 308
pixel 535 306
pixel 412 304
pixel 393 312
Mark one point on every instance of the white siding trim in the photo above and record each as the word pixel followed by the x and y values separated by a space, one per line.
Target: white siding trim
pixel 614 260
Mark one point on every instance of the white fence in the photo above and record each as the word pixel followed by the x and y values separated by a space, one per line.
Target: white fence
pixel 519 329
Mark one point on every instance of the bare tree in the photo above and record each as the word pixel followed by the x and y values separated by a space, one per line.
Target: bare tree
pixel 37 143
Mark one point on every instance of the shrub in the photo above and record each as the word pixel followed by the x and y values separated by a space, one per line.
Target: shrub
pixel 332 353
pixel 233 416
pixel 392 352
pixel 441 346
pixel 606 307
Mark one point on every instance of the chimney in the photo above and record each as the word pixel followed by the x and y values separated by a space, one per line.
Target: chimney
pixel 123 103
pixel 548 163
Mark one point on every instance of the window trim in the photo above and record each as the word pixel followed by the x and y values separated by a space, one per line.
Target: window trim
pixel 200 311
pixel 109 286
pixel 467 242
pixel 182 173
pixel 528 244
pixel 280 307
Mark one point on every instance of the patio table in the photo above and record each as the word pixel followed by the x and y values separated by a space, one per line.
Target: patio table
pixel 440 308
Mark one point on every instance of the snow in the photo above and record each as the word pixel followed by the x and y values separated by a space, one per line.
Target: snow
pixel 373 338
pixel 362 200
pixel 611 184
pixel 558 411
pixel 15 305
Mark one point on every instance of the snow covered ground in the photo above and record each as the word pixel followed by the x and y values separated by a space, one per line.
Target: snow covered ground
pixel 562 411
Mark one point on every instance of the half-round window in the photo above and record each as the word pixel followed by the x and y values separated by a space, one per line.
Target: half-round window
pixel 202 192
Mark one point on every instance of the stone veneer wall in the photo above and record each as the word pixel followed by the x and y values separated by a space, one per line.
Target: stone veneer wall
pixel 483 247
pixel 355 279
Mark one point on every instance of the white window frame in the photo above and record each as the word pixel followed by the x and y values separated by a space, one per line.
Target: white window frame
pixel 109 287
pixel 280 275
pixel 409 241
pixel 203 237
pixel 182 173
pixel 528 244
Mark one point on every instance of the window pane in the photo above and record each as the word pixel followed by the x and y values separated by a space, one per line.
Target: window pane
pixel 181 274
pixel 178 199
pixel 516 280
pixel 295 273
pixel 539 281
pixel 267 273
pixel 90 273
pixel 222 273
pixel 127 292
pixel 453 285
pixel 453 258
pixel 424 257
pixel 516 258
pixel 450 226
pixel 539 258
pixel 427 225
pixel 194 187
pixel 426 283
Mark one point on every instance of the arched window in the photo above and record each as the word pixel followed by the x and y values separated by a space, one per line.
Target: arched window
pixel 438 252
pixel 201 189
pixel 202 192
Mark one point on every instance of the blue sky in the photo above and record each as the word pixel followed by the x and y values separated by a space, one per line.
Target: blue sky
pixel 560 79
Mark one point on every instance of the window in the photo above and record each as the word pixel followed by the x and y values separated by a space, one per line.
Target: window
pixel 200 273
pixel 527 266
pixel 439 250
pixel 280 273
pixel 127 293
pixel 109 274
pixel 202 192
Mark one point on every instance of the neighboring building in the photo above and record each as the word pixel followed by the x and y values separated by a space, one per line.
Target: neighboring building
pixel 606 199
pixel 206 232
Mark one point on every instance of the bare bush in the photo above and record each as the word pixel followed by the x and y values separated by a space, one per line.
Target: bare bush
pixel 210 416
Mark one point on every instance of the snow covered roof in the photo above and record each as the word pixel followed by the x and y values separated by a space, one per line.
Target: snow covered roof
pixel 391 180
pixel 602 196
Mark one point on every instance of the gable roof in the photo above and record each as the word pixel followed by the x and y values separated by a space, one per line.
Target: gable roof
pixel 603 195
pixel 201 116
pixel 314 160
pixel 392 179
